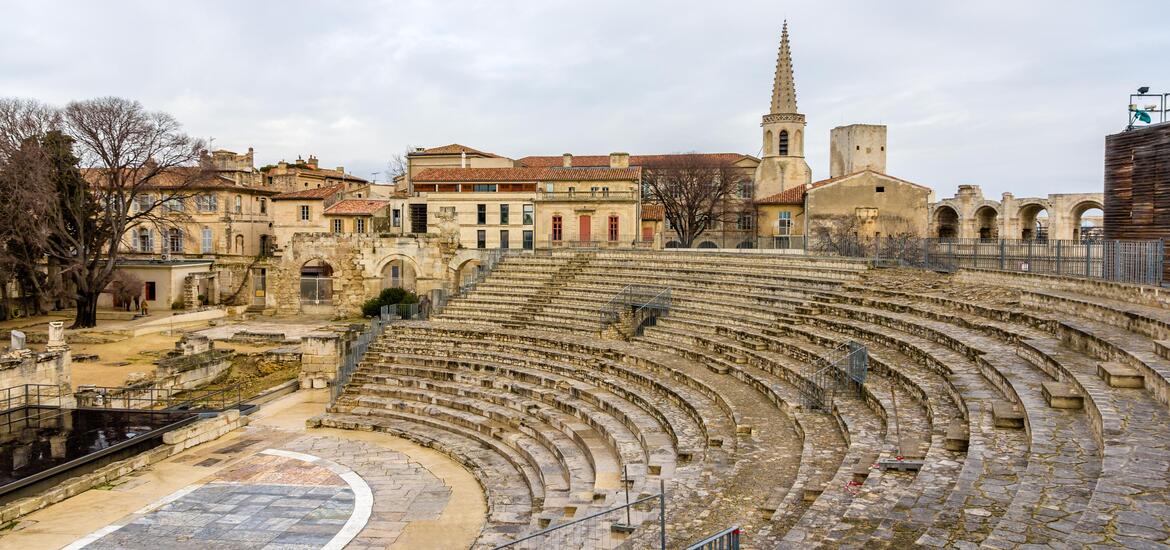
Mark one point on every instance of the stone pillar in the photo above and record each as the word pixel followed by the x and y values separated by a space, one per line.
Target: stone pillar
pixel 56 337
pixel 320 359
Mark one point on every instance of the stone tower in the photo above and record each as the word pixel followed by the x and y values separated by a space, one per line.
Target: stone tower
pixel 783 165
pixel 857 147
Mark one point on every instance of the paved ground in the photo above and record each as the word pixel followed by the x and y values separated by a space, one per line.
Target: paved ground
pixel 274 486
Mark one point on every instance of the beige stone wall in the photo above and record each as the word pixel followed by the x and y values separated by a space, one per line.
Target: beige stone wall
pixel 168 282
pixel 897 206
pixel 767 216
pixel 287 222
pixel 969 215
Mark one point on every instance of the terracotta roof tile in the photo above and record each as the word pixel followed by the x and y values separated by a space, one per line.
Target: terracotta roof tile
pixel 527 174
pixel 314 193
pixel 453 149
pixel 356 207
pixel 654 212
pixel 792 195
pixel 635 160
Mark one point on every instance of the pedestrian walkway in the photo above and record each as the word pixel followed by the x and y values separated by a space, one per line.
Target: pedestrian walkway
pixel 277 486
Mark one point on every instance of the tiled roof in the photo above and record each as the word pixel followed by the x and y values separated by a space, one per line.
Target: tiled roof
pixel 527 174
pixel 654 212
pixel 635 160
pixel 314 193
pixel 453 149
pixel 795 195
pixel 792 195
pixel 180 177
pixel 356 207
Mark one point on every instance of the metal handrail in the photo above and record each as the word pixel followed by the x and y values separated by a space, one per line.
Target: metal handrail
pixel 661 496
pixel 727 539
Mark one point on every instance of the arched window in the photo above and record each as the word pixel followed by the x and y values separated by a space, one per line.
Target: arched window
pixel 767 142
pixel 558 229
pixel 613 227
pixel 239 244
pixel 175 240
pixel 783 142
pixel 239 204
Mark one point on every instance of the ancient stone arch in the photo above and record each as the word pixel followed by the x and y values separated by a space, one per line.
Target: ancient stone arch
pixel 1015 218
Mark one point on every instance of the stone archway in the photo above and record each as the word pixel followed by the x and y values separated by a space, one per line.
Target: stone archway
pixel 946 222
pixel 316 287
pixel 1033 217
pixel 398 271
pixel 1087 220
pixel 987 222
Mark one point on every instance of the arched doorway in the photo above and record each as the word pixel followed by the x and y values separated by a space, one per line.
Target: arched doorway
pixel 1088 221
pixel 399 272
pixel 745 244
pixel 673 244
pixel 316 283
pixel 987 222
pixel 946 222
pixel 467 273
pixel 1033 222
pixel 708 244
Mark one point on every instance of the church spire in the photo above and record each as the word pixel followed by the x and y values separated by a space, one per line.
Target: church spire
pixel 784 87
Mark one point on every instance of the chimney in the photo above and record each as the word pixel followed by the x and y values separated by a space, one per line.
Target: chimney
pixel 619 160
pixel 341 169
pixel 312 162
pixel 567 160
pixel 282 164
pixel 463 159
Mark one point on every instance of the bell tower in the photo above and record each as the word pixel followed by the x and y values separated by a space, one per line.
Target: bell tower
pixel 782 165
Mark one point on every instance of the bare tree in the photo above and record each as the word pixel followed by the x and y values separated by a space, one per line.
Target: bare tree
pixel 396 166
pixel 123 151
pixel 882 236
pixel 124 286
pixel 27 203
pixel 696 192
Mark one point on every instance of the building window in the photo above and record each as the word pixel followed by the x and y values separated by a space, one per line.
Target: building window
pixel 239 204
pixel 613 228
pixel 206 245
pixel 527 214
pixel 503 214
pixel 881 189
pixel 481 214
pixel 783 142
pixel 572 190
pixel 396 217
pixel 784 224
pixel 304 212
pixel 359 225
pixel 481 239
pixel 484 188
pixel 240 245
pixel 145 202
pixel 145 240
pixel 593 191
pixel 744 222
pixel 174 204
pixel 337 225
pixel 263 205
pixel 527 239
pixel 206 203
pixel 503 238
pixel 418 218
pixel 557 228
pixel 745 190
pixel 175 241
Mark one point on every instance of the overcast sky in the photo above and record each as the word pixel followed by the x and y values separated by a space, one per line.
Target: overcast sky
pixel 1013 96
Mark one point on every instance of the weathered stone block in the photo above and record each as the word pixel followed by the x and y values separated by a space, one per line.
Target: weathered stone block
pixel 1060 395
pixel 1008 415
pixel 1118 375
pixel 957 438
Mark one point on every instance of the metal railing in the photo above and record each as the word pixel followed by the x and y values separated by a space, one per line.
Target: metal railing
pixel 650 299
pixel 107 397
pixel 624 517
pixel 586 195
pixel 30 395
pixel 727 539
pixel 357 350
pixel 845 373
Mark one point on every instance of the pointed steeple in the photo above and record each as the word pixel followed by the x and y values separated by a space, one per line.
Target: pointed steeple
pixel 784 87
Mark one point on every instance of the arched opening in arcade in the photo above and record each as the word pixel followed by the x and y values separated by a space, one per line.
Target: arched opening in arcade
pixel 946 222
pixel 1088 222
pixel 316 283
pixel 708 244
pixel 1034 222
pixel 467 273
pixel 987 220
pixel 399 272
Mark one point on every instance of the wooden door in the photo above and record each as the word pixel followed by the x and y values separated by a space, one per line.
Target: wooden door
pixel 586 223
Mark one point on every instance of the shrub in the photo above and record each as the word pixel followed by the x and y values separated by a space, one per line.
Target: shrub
pixel 388 297
pixel 178 304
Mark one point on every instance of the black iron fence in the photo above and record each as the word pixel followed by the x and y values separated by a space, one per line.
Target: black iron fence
pixel 357 350
pixel 1137 262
